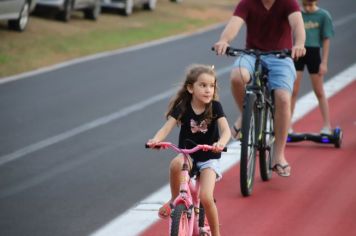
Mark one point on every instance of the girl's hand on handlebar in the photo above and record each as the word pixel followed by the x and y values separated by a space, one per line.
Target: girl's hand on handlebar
pixel 218 147
pixel 152 143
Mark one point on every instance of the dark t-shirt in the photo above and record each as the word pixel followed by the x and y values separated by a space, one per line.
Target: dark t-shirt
pixel 267 30
pixel 195 128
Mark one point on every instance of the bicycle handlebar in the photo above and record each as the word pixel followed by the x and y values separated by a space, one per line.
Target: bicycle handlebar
pixel 230 51
pixel 203 147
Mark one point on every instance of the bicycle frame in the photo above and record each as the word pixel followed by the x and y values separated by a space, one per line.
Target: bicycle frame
pixel 259 89
pixel 257 121
pixel 265 108
pixel 188 191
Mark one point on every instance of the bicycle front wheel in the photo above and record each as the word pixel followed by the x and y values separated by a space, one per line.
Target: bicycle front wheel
pixel 248 145
pixel 266 149
pixel 180 221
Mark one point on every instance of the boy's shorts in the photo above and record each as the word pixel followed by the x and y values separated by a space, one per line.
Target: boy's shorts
pixel 311 59
pixel 281 74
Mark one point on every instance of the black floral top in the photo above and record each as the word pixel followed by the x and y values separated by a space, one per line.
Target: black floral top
pixel 195 128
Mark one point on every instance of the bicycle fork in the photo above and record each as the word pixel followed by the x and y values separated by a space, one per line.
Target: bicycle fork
pixel 189 197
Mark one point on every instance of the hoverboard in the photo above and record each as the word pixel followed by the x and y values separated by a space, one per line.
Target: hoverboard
pixel 334 138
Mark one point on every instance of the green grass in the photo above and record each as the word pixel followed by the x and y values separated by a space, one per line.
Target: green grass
pixel 47 41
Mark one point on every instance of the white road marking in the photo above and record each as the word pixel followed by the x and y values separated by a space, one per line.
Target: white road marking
pixel 85 127
pixel 102 120
pixel 137 219
pixel 106 54
pixel 114 116
pixel 91 125
pixel 344 20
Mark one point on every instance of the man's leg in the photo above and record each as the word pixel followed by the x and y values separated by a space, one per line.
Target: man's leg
pixel 239 78
pixel 294 96
pixel 296 90
pixel 282 75
pixel 281 125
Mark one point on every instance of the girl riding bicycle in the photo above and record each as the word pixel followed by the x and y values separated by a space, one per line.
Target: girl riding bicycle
pixel 196 110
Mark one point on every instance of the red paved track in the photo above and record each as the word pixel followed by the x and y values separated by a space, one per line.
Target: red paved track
pixel 319 199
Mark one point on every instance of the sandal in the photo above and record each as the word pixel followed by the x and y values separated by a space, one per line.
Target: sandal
pixel 165 211
pixel 282 170
pixel 236 134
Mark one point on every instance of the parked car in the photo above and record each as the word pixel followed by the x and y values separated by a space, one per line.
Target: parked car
pixel 16 13
pixel 126 6
pixel 90 8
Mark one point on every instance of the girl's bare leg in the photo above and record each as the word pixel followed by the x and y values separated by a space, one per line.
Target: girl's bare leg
pixel 175 169
pixel 207 185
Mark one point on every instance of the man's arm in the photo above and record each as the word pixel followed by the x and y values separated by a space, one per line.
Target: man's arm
pixel 229 33
pixel 297 25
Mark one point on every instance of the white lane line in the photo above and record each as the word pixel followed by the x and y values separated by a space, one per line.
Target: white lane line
pixel 119 114
pixel 345 20
pixel 106 54
pixel 85 127
pixel 144 214
pixel 342 21
pixel 332 86
pixel 92 124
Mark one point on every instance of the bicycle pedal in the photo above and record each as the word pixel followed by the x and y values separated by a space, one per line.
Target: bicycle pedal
pixel 205 231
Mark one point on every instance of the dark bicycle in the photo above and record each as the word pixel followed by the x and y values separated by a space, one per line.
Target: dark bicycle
pixel 257 121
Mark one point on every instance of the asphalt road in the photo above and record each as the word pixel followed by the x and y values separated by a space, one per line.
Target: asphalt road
pixel 71 139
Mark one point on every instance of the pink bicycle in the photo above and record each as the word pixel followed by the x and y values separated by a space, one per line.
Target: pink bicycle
pixel 187 215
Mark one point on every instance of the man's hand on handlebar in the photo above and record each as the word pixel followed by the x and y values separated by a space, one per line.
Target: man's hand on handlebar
pixel 220 47
pixel 298 51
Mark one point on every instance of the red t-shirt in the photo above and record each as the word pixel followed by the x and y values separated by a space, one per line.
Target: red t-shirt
pixel 267 29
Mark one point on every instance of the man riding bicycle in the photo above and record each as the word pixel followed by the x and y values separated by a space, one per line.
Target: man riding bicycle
pixel 270 26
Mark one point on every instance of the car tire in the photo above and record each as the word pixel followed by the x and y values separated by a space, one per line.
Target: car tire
pixel 21 23
pixel 66 13
pixel 176 0
pixel 93 12
pixel 150 5
pixel 129 4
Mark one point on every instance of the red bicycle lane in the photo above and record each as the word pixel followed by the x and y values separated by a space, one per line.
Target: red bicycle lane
pixel 319 198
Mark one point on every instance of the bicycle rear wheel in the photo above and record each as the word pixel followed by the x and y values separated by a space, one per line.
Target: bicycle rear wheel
pixel 266 149
pixel 248 145
pixel 180 221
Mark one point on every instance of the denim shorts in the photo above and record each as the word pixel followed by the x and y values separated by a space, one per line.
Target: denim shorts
pixel 282 72
pixel 214 164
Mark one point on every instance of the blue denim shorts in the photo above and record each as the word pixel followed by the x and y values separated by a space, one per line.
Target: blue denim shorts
pixel 282 72
pixel 214 164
